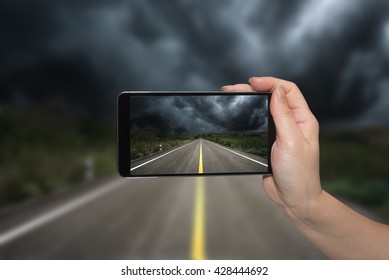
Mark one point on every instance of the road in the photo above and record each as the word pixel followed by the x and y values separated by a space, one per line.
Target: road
pixel 212 157
pixel 217 217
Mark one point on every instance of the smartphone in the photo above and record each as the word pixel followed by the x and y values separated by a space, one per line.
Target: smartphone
pixel 194 133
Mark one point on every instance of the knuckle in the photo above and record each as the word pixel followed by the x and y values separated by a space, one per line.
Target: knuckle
pixel 294 87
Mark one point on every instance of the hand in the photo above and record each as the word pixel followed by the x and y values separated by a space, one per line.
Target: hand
pixel 295 183
pixel 334 228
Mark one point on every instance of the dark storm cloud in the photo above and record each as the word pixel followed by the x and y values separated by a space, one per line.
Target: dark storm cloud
pixel 229 113
pixel 78 51
pixel 32 71
pixel 199 114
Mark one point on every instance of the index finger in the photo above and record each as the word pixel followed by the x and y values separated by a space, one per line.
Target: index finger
pixel 294 96
pixel 270 83
pixel 237 87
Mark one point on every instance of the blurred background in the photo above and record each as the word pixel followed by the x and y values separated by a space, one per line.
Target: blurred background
pixel 63 64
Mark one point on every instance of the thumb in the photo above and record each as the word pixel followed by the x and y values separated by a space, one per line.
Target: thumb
pixel 285 123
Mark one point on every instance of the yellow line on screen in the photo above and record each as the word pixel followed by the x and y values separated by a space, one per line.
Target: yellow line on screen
pixel 201 158
pixel 198 234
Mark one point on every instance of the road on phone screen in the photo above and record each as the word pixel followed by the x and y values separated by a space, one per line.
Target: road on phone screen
pixel 185 160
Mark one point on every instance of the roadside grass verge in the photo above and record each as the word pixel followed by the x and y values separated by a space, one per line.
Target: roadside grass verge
pixel 145 142
pixel 43 150
pixel 252 143
pixel 354 164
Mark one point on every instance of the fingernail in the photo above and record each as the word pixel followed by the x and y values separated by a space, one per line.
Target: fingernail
pixel 280 92
pixel 225 87
pixel 251 79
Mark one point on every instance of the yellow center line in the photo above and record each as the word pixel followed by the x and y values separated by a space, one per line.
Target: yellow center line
pixel 201 158
pixel 198 234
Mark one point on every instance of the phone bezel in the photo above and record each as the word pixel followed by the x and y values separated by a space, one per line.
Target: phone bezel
pixel 123 129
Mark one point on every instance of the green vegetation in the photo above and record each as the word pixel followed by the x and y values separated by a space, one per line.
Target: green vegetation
pixel 354 165
pixel 43 150
pixel 253 143
pixel 145 142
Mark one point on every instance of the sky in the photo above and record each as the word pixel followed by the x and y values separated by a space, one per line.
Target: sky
pixel 199 114
pixel 81 54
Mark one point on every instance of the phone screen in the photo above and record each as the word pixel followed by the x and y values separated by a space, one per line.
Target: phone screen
pixel 169 134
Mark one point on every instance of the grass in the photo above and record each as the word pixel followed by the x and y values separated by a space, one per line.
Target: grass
pixel 145 142
pixel 354 165
pixel 43 150
pixel 252 143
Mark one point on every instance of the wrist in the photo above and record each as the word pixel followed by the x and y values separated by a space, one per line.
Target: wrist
pixel 305 211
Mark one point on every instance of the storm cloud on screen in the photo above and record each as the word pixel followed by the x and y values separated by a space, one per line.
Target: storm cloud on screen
pixel 199 114
pixel 81 54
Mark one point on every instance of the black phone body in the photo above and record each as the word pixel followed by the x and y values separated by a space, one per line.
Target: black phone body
pixel 163 133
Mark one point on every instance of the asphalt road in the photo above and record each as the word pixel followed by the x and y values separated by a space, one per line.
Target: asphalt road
pixel 213 157
pixel 221 217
